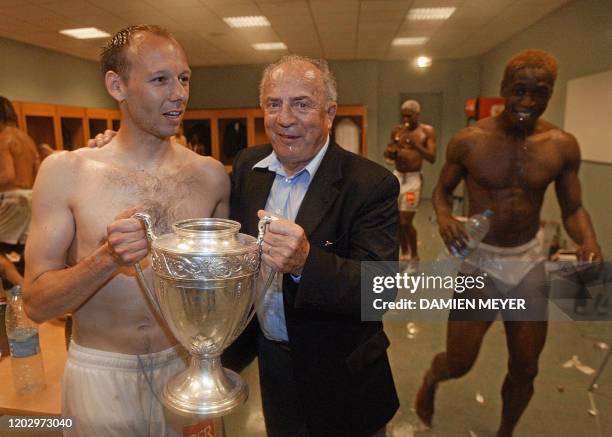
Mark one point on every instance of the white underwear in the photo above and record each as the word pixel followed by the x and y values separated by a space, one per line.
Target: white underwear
pixel 507 264
pixel 410 190
pixel 15 215
pixel 108 394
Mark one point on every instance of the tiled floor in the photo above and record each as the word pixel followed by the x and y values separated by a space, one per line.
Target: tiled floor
pixel 559 408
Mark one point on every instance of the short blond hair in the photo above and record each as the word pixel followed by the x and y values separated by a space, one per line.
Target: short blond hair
pixel 412 105
pixel 531 59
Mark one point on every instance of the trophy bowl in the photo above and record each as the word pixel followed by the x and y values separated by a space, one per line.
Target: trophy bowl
pixel 204 275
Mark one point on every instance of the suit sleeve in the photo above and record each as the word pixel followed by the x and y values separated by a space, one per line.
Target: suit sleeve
pixel 332 283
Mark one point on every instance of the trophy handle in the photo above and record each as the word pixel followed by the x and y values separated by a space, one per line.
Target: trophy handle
pixel 146 222
pixel 261 230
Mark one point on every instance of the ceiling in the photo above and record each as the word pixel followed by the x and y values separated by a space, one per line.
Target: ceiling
pixel 333 29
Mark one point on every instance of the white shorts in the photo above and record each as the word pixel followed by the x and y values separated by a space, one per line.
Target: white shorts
pixel 410 190
pixel 15 215
pixel 507 264
pixel 108 394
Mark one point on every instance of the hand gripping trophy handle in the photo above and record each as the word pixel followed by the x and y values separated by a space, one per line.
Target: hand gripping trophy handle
pixel 146 221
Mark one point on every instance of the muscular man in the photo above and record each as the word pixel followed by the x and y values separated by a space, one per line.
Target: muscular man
pixel 323 372
pixel 507 162
pixel 19 163
pixel 411 142
pixel 83 243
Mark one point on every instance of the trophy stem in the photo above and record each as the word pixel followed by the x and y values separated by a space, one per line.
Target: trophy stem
pixel 205 388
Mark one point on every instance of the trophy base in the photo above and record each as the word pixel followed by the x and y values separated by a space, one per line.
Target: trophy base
pixel 205 389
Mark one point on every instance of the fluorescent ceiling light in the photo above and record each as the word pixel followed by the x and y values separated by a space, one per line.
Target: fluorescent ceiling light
pixel 410 41
pixel 423 62
pixel 430 13
pixel 270 46
pixel 85 33
pixel 247 21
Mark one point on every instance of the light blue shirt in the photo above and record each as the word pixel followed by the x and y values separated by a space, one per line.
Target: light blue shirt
pixel 284 200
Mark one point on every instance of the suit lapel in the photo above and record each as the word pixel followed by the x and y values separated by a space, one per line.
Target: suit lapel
pixel 322 191
pixel 258 187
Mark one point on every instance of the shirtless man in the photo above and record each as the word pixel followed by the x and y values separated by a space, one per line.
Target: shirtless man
pixel 508 161
pixel 19 163
pixel 83 243
pixel 410 143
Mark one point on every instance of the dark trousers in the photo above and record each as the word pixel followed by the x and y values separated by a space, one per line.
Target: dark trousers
pixel 283 412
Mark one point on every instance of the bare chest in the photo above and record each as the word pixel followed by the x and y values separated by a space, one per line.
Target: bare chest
pixel 107 192
pixel 527 164
pixel 404 136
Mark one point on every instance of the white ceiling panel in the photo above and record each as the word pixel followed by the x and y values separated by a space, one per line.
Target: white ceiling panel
pixel 336 29
pixel 335 6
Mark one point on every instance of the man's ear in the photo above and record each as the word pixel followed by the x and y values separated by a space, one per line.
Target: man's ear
pixel 115 86
pixel 331 112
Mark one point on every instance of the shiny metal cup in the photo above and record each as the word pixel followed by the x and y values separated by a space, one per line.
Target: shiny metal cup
pixel 205 275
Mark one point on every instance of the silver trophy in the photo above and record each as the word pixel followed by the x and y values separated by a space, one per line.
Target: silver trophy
pixel 205 275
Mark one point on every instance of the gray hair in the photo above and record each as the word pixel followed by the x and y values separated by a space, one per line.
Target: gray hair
pixel 329 81
pixel 411 105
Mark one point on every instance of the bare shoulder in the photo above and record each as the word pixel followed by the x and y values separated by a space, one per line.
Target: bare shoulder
pixel 206 167
pixel 565 143
pixel 9 137
pixel 60 164
pixel 428 129
pixel 466 138
pixel 65 166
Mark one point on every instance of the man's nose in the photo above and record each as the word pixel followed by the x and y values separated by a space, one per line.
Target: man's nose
pixel 179 91
pixel 527 100
pixel 285 115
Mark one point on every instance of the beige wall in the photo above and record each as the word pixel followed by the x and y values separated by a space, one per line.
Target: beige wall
pixel 34 74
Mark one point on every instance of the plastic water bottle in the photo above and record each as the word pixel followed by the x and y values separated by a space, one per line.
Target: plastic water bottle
pixel 476 228
pixel 26 359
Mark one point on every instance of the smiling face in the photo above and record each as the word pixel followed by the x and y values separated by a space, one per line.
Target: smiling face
pixel 527 94
pixel 297 113
pixel 156 89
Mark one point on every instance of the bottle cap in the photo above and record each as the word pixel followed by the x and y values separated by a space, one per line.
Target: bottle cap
pixel 15 291
pixel 488 213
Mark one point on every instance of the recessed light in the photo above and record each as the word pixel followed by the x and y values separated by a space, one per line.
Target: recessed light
pixel 247 21
pixel 409 41
pixel 423 62
pixel 85 33
pixel 430 13
pixel 270 46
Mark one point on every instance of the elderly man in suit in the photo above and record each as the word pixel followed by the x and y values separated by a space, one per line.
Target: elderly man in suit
pixel 323 371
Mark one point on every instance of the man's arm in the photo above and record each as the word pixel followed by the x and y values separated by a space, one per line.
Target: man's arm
pixel 391 149
pixel 453 171
pixel 575 218
pixel 429 149
pixel 51 289
pixel 7 165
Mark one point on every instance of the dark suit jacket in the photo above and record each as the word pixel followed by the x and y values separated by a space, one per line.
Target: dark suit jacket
pixel 349 214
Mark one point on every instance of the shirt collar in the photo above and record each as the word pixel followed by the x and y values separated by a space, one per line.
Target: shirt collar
pixel 272 163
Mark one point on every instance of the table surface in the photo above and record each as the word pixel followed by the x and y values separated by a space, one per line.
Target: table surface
pixel 48 401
